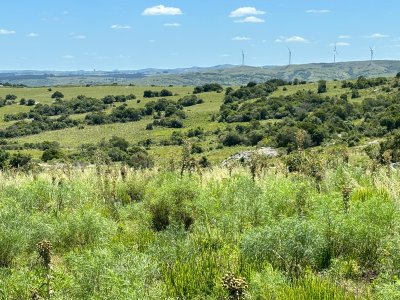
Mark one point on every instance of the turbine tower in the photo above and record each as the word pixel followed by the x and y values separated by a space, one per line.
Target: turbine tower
pixel 290 56
pixel 335 53
pixel 372 52
pixel 242 58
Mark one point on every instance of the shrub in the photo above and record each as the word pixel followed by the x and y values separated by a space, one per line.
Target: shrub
pixel 165 93
pixel 139 158
pixel 57 95
pixel 322 87
pixel 232 139
pixel 133 191
pixel 355 94
pixel 173 207
pixel 11 97
pixel 12 236
pixel 52 153
pixel 20 160
pixel 31 102
pixel 292 245
pixel 83 228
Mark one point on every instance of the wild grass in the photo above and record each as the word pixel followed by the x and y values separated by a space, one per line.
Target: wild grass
pixel 156 235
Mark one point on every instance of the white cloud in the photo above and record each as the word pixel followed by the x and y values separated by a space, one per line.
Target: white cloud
pixel 172 24
pixel 378 36
pixel 292 39
pixel 340 44
pixel 118 26
pixel 318 11
pixel 152 41
pixel 160 10
pixel 78 36
pixel 245 11
pixel 344 36
pixel 6 32
pixel 68 56
pixel 33 34
pixel 251 19
pixel 241 38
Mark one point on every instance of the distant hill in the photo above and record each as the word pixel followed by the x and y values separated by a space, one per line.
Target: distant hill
pixel 223 74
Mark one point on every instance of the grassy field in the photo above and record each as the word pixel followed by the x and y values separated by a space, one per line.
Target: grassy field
pixel 320 223
pixel 197 116
pixel 102 234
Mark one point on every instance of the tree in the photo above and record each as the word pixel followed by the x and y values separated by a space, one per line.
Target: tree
pixel 139 158
pixel 4 155
pixel 150 94
pixel 20 160
pixel 120 143
pixel 355 94
pixel 57 95
pixel 398 75
pixel 322 87
pixel 52 153
pixel 11 97
pixel 31 102
pixel 232 139
pixel 165 93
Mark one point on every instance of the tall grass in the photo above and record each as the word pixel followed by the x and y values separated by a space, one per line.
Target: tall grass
pixel 157 235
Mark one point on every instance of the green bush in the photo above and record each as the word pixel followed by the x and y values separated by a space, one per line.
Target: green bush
pixel 292 245
pixel 83 228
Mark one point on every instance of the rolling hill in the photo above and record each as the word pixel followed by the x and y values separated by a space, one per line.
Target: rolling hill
pixel 223 74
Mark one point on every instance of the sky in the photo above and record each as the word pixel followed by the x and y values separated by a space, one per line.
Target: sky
pixel 133 34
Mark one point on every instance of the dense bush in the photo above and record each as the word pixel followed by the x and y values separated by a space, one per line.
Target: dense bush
pixel 152 94
pixel 211 87
pixel 190 100
pixel 364 83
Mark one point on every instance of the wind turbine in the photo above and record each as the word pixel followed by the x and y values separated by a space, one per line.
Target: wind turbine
pixel 290 56
pixel 335 53
pixel 242 58
pixel 372 52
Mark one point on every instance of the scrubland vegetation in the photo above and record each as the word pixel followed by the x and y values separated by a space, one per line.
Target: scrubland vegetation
pixel 321 226
pixel 106 194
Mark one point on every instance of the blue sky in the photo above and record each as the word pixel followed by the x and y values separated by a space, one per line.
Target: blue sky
pixel 133 34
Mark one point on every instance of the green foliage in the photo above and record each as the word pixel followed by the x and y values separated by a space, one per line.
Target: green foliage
pixel 82 229
pixel 152 94
pixel 173 207
pixel 322 87
pixel 211 87
pixel 190 100
pixel 52 153
pixel 321 223
pixel 57 95
pixel 20 160
pixel 293 245
pixel 120 233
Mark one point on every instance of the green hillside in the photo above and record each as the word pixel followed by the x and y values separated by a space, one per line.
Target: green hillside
pixel 118 192
pixel 225 75
pixel 308 72
pixel 163 140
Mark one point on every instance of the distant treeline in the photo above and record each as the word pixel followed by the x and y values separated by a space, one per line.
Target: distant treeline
pixel 7 84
